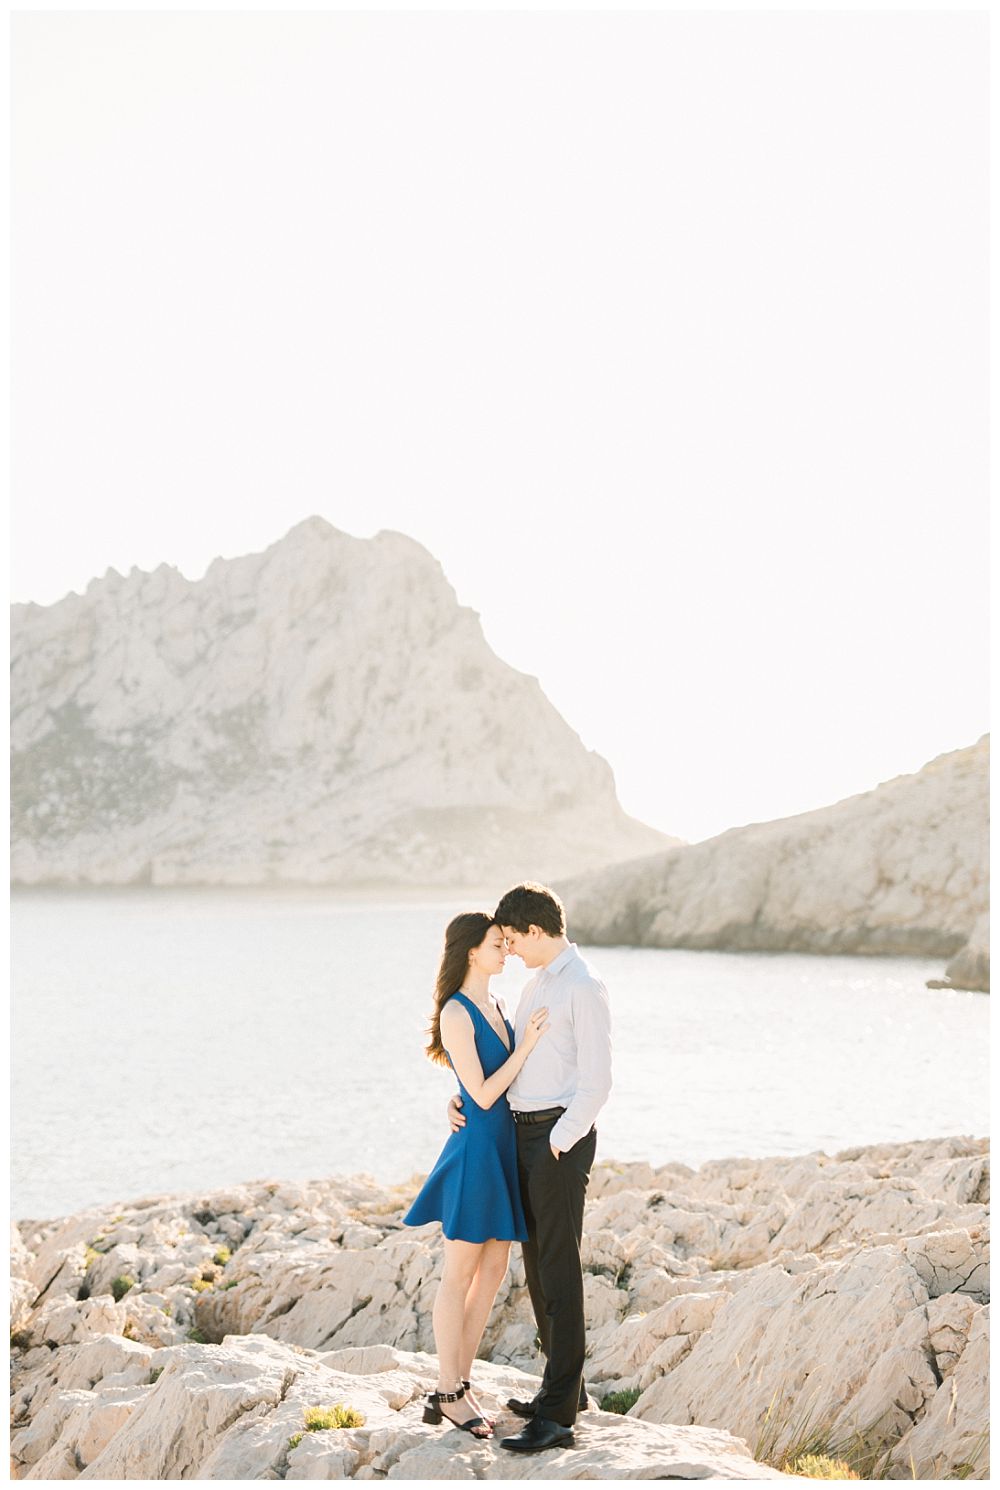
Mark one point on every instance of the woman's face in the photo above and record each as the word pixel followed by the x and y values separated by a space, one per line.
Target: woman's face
pixel 491 954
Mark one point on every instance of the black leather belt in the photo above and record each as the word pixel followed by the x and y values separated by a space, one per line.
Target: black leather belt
pixel 547 1115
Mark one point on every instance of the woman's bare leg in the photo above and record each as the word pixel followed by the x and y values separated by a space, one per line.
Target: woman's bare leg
pixel 490 1273
pixel 461 1262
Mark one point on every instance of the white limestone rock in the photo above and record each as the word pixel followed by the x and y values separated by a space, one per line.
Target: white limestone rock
pixel 949 1320
pixel 838 1211
pixel 22 1290
pixel 901 869
pixel 22 1296
pixel 236 1411
pixel 951 1440
pixel 954 1261
pixel 970 968
pixel 87 1429
pixel 645 1346
pixel 860 1279
pixel 841 1345
pixel 324 712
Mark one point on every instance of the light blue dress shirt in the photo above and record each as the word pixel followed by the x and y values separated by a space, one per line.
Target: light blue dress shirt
pixel 571 1064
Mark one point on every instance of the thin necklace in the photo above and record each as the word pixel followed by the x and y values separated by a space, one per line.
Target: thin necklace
pixel 484 1011
pixel 474 1000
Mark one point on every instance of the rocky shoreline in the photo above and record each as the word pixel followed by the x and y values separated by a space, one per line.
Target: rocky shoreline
pixel 739 1315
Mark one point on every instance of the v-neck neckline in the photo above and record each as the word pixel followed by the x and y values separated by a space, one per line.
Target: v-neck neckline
pixel 489 1023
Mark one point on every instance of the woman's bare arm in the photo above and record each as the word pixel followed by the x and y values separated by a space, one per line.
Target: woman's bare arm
pixel 459 1039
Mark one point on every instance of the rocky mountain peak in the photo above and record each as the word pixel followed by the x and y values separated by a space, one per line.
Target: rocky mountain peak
pixel 321 711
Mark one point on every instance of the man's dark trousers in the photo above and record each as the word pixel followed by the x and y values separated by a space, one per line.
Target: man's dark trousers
pixel 553 1191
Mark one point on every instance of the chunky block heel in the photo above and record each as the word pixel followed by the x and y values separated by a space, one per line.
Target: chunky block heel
pixel 434 1415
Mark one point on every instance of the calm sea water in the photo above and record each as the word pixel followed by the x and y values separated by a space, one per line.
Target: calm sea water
pixel 173 1040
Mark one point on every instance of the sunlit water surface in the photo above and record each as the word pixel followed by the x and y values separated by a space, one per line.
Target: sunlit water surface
pixel 173 1040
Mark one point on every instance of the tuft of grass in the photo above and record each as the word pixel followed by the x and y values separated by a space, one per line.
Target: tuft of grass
pixel 338 1416
pixel 197 1336
pixel 222 1256
pixel 793 1433
pixel 155 1374
pixel 118 1218
pixel 791 1430
pixel 232 1284
pixel 200 1284
pixel 295 1440
pixel 620 1401
pixel 91 1255
pixel 121 1285
pixel 821 1467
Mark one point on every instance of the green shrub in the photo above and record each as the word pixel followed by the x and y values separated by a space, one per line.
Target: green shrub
pixel 821 1467
pixel 620 1401
pixel 295 1440
pixel 155 1374
pixel 222 1256
pixel 200 1284
pixel 197 1336
pixel 121 1285
pixel 338 1416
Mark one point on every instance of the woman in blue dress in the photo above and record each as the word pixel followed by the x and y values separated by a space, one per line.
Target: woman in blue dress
pixel 473 1189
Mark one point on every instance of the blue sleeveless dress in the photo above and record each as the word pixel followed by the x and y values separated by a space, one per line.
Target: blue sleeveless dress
pixel 473 1189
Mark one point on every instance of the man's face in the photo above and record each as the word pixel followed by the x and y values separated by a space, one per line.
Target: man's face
pixel 524 944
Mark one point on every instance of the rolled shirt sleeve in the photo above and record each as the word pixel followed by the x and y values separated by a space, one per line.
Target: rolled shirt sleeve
pixel 591 1013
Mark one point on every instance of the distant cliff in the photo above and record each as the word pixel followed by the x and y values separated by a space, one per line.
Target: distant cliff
pixel 324 712
pixel 903 868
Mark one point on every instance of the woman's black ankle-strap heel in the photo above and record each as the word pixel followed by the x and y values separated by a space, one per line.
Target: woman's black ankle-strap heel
pixel 433 1413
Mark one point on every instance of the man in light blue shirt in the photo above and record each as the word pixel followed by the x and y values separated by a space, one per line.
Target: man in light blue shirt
pixel 555 1099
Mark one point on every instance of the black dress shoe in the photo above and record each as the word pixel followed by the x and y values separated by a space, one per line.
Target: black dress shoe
pixel 527 1409
pixel 540 1433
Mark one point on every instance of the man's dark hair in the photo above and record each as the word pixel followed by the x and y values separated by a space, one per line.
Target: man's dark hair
pixel 532 905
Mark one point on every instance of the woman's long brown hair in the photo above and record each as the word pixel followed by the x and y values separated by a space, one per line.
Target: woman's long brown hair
pixel 462 934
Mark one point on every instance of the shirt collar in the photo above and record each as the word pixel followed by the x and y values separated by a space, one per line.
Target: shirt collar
pixel 558 963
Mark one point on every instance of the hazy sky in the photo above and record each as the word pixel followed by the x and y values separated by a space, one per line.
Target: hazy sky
pixel 665 333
